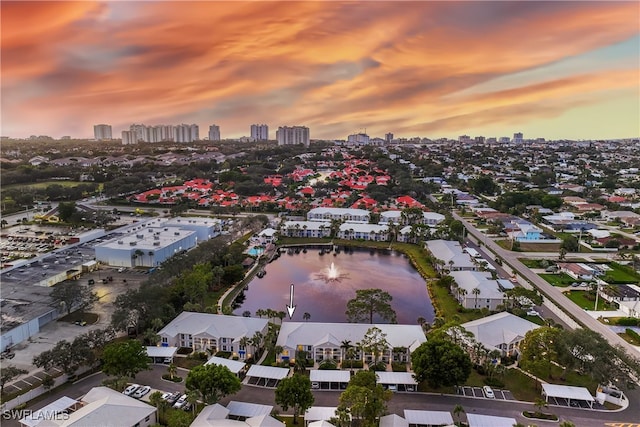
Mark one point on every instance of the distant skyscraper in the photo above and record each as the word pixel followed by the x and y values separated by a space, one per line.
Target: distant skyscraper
pixel 464 138
pixel 290 135
pixel 358 138
pixel 187 133
pixel 517 138
pixel 214 133
pixel 129 137
pixel 260 132
pixel 388 137
pixel 101 132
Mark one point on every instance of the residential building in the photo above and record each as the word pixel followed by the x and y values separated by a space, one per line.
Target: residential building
pixel 502 331
pixel 291 135
pixel 214 332
pixel 476 289
pixel 101 406
pixel 306 229
pixel 129 137
pixel 187 133
pixel 388 137
pixel 517 138
pixel 339 214
pixel 324 341
pixel 214 133
pixel 360 231
pixel 358 138
pixel 450 255
pixel 432 219
pixel 102 132
pixel 217 415
pixel 260 132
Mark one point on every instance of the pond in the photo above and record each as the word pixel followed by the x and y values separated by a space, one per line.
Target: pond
pixel 323 290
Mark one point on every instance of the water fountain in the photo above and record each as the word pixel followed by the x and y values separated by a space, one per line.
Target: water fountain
pixel 331 274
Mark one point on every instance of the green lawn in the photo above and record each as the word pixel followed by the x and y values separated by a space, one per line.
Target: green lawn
pixel 561 280
pixel 630 339
pixel 620 274
pixel 581 300
pixel 531 263
pixel 44 184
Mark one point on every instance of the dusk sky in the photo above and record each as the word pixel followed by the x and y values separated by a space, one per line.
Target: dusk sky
pixel 431 69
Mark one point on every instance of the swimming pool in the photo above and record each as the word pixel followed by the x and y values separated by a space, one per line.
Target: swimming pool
pixel 255 251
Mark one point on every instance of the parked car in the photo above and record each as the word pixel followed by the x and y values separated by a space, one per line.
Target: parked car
pixel 165 396
pixel 187 407
pixel 131 389
pixel 315 385
pixel 141 392
pixel 488 392
pixel 181 402
pixel 174 397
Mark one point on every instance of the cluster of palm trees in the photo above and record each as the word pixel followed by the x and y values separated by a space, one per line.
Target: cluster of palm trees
pixel 460 293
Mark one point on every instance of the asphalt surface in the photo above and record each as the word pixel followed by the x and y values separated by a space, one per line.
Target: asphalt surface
pixel 398 403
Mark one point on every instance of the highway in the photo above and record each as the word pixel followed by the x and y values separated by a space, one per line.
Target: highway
pixel 549 291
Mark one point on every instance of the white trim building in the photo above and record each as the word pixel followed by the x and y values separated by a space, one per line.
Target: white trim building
pixel 451 255
pixel 217 332
pixel 356 231
pixel 306 229
pixel 502 331
pixel 480 291
pixel 340 214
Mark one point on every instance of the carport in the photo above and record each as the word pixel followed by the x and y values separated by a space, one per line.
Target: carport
pixel 403 381
pixel 329 380
pixel 319 413
pixel 393 420
pixel 243 410
pixel 476 420
pixel 569 393
pixel 52 411
pixel 266 376
pixel 428 418
pixel 159 354
pixel 233 365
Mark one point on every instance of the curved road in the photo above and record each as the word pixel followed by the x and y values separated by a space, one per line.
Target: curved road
pixel 550 291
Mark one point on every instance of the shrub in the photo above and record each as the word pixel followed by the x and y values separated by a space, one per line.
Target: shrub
pixel 185 350
pixel 224 354
pixel 399 367
pixel 329 364
pixel 355 364
pixel 175 379
pixel 633 334
pixel 628 321
pixel 494 382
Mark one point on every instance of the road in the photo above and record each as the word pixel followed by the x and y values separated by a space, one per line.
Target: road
pixel 550 291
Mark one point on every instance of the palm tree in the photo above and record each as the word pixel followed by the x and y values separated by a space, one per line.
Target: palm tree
pixel 192 399
pixel 260 313
pixel 476 292
pixel 138 254
pixel 345 346
pixel 172 370
pixel 462 292
pixel 306 316
pixel 281 315
pixel 457 410
pixel 277 350
pixel 244 343
pixel 246 313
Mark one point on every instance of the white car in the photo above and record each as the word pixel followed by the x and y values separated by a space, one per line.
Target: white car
pixel 181 402
pixel 141 392
pixel 131 389
pixel 488 392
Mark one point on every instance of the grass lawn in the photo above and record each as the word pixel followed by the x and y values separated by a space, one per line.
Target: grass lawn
pixel 187 362
pixel 573 378
pixel 447 306
pixel 561 280
pixel 44 184
pixel 531 263
pixel 539 247
pixel 620 274
pixel 580 299
pixel 630 339
pixel 523 387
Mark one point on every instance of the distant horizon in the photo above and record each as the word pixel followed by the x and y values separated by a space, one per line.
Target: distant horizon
pixel 561 70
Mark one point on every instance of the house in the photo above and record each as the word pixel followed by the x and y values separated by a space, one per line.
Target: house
pixel 101 406
pixel 214 332
pixel 526 232
pixel 357 231
pixel 340 214
pixel 502 331
pixel 476 289
pixel 578 271
pixel 450 255
pixel 324 341
pixel 268 235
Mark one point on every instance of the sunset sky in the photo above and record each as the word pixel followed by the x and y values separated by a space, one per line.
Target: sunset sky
pixel 431 69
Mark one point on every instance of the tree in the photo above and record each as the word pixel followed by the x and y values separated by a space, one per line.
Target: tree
pixel 364 399
pixel 124 359
pixel 179 419
pixel 66 210
pixel 570 243
pixel 538 349
pixel 370 301
pixel 374 342
pixel 295 392
pixel 73 294
pixel 8 373
pixel 172 370
pixel 213 382
pixel 457 410
pixel 306 316
pixel 440 363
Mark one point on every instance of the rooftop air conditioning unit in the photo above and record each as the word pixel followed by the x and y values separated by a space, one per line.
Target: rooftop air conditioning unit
pixel 177 233
pixel 132 243
pixel 120 242
pixel 156 243
pixel 139 236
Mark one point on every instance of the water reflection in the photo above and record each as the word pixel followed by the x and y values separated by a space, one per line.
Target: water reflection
pixel 323 285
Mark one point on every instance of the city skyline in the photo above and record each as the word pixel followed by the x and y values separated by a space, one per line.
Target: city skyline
pixel 433 69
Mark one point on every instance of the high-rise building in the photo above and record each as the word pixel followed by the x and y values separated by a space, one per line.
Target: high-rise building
pixel 129 137
pixel 187 133
pixel 358 138
pixel 214 133
pixel 388 137
pixel 102 132
pixel 260 132
pixel 140 131
pixel 290 135
pixel 517 138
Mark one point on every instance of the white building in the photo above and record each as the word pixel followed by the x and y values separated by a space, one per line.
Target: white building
pixel 324 340
pixel 202 331
pixel 518 138
pixel 218 416
pixel 339 214
pixel 450 255
pixel 260 132
pixel 432 219
pixel 306 229
pixel 291 135
pixel 359 231
pixel 129 137
pixel 102 407
pixel 214 133
pixel 187 133
pixel 358 138
pixel 205 228
pixel 102 132
pixel 480 290
pixel 502 331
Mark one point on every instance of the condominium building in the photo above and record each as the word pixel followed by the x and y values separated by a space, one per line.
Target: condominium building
pixel 518 138
pixel 129 137
pixel 260 132
pixel 102 132
pixel 187 133
pixel 358 138
pixel 388 137
pixel 290 135
pixel 214 133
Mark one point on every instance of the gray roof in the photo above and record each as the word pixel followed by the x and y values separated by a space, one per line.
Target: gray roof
pixel 436 418
pixel 213 325
pixel 447 250
pixel 476 420
pixel 233 365
pixel 500 328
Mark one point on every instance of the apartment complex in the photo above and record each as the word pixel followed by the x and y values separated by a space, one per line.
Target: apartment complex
pixel 214 133
pixel 291 135
pixel 142 133
pixel 102 132
pixel 260 132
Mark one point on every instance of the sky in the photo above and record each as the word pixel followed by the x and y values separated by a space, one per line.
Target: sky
pixel 554 70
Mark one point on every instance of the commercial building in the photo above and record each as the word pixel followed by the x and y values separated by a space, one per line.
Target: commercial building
pixel 291 135
pixel 260 132
pixel 102 132
pixel 214 133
